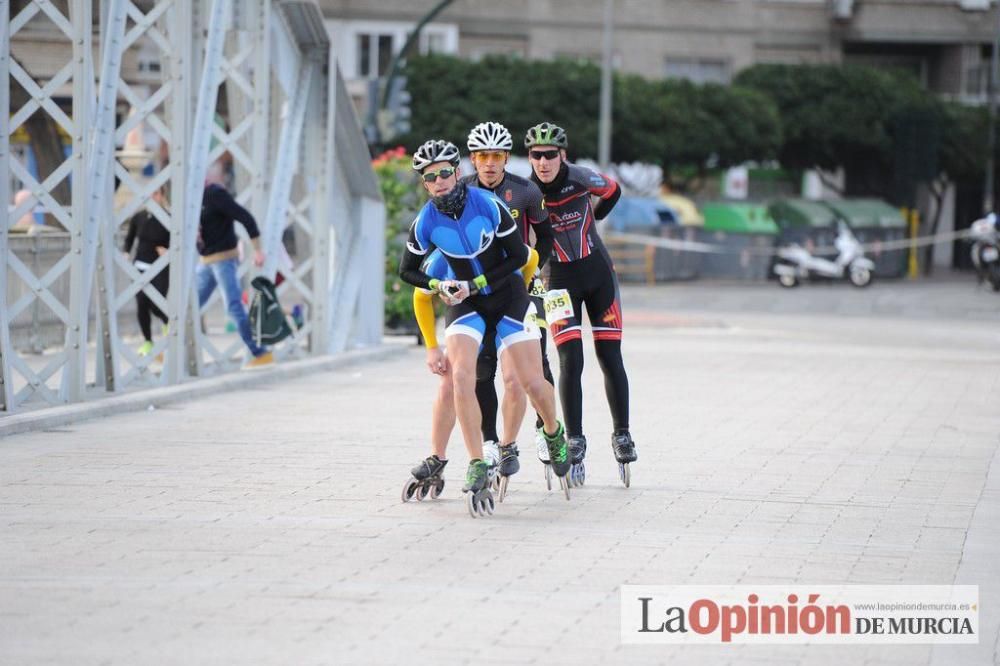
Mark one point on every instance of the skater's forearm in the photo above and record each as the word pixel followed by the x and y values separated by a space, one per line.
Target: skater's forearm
pixel 530 267
pixel 423 310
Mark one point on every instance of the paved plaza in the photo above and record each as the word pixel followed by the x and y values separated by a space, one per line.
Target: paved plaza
pixel 821 435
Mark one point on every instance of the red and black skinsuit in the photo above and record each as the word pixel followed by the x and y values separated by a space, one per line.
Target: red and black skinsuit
pixel 581 265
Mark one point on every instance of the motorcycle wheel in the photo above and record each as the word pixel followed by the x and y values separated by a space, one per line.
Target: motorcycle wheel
pixel 788 281
pixel 993 277
pixel 859 276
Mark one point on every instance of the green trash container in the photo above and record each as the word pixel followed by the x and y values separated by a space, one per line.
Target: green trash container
pixel 874 221
pixel 747 231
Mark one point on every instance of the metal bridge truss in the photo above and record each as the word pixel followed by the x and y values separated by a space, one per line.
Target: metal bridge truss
pixel 251 83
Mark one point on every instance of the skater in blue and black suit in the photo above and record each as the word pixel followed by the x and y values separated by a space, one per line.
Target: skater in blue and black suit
pixel 478 237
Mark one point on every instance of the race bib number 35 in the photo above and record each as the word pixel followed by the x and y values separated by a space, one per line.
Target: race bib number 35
pixel 558 306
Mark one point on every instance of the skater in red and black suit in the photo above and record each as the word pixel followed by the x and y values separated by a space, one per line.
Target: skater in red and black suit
pixel 581 265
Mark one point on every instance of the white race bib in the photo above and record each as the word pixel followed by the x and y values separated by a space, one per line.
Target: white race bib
pixel 990 254
pixel 558 306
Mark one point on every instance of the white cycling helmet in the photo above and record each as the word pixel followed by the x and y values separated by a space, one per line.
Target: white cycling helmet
pixel 435 150
pixel 490 136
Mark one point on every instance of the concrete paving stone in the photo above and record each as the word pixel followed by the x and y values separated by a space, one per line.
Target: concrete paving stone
pixel 818 437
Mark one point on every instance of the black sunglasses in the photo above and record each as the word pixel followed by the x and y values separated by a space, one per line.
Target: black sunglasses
pixel 546 154
pixel 431 176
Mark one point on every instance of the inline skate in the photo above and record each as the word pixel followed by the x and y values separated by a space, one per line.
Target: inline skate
pixel 558 456
pixel 508 467
pixel 577 451
pixel 427 480
pixel 624 450
pixel 478 496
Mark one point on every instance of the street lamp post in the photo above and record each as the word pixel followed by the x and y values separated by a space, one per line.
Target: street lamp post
pixel 989 196
pixel 604 136
pixel 379 100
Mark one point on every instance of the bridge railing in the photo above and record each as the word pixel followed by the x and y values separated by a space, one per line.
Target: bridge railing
pixel 250 87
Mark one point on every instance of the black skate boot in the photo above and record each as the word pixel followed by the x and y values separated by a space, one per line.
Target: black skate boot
pixel 558 456
pixel 478 495
pixel 426 480
pixel 508 467
pixel 624 450
pixel 577 451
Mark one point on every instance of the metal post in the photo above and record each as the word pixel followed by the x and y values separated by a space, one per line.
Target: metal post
pixel 322 215
pixel 6 395
pixel 100 217
pixel 989 196
pixel 35 337
pixel 347 277
pixel 410 41
pixel 377 101
pixel 604 142
pixel 261 37
pixel 181 72
pixel 197 162
pixel 371 313
pixel 284 168
pixel 74 374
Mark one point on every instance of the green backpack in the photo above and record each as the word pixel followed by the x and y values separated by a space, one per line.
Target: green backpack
pixel 268 324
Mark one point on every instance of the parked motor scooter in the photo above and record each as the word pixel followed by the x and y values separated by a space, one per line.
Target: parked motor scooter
pixel 795 263
pixel 985 241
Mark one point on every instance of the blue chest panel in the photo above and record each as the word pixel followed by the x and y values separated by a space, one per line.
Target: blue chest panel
pixel 468 236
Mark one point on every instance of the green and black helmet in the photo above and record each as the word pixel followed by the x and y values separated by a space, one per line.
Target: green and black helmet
pixel 546 134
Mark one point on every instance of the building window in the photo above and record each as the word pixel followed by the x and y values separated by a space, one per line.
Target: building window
pixel 698 70
pixel 431 42
pixel 977 77
pixel 384 53
pixel 374 55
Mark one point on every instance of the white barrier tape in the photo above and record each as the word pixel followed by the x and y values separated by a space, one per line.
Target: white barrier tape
pixel 671 243
pixel 709 248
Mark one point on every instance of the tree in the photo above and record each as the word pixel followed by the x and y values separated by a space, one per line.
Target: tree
pixel 838 116
pixel 686 129
pixel 450 96
pixel 962 158
pixel 680 126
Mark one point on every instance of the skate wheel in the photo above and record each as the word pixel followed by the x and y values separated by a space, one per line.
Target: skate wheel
pixel 583 473
pixel 548 476
pixel 409 488
pixel 437 488
pixel 576 475
pixel 502 491
pixel 564 482
pixel 623 472
pixel 472 504
pixel 422 492
pixel 487 505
